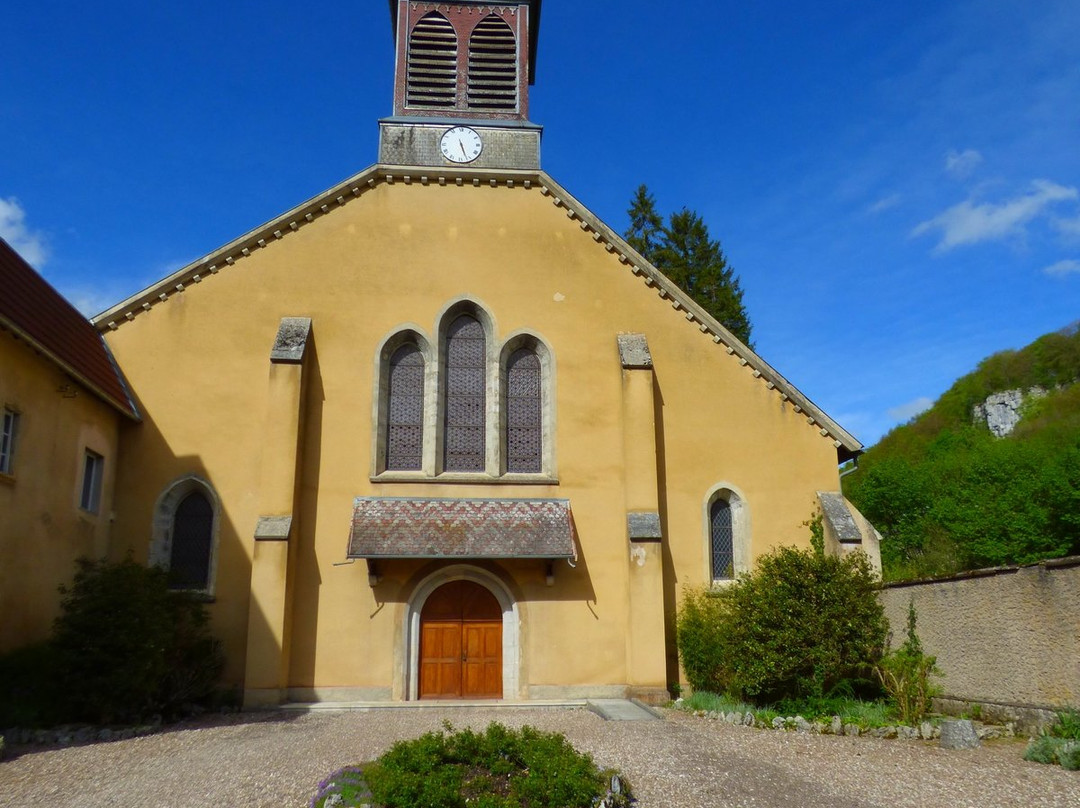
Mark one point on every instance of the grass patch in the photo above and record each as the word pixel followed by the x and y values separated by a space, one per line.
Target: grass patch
pixel 713 702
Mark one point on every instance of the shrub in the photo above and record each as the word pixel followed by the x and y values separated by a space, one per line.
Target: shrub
pixel 905 674
pixel 1069 755
pixel 1043 749
pixel 496 768
pixel 127 647
pixel 796 627
pixel 1067 725
pixel 28 688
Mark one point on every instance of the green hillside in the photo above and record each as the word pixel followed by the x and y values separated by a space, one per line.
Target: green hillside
pixel 948 495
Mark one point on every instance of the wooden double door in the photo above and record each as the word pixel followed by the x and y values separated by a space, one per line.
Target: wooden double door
pixel 461 643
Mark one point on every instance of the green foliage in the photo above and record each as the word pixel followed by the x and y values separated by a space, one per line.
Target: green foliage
pixel 1067 725
pixel 684 251
pixel 947 495
pixel 126 647
pixel 1043 749
pixel 496 768
pixel 796 627
pixel 28 687
pixel 713 703
pixel 1068 755
pixel 906 675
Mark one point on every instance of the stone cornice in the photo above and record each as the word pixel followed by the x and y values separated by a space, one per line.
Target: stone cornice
pixel 261 237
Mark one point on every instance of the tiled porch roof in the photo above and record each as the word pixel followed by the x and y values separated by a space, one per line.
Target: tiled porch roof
pixel 390 527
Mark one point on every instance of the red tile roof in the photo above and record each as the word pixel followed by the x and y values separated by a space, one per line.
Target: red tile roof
pixel 33 310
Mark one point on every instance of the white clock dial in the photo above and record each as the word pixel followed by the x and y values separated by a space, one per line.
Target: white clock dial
pixel 461 144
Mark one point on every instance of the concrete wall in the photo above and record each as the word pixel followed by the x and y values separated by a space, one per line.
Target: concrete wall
pixel 42 528
pixel 1006 636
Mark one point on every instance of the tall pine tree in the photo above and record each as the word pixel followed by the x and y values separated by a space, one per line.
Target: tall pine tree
pixel 685 253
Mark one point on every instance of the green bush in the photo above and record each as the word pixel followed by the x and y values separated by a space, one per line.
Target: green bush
pixel 798 626
pixel 1043 749
pixel 124 648
pixel 496 768
pixel 906 675
pixel 1069 755
pixel 28 687
pixel 1067 725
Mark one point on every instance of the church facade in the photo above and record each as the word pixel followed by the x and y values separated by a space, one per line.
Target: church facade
pixel 438 432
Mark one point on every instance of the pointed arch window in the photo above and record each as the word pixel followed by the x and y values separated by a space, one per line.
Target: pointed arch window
pixel 405 410
pixel 722 545
pixel 493 67
pixel 465 409
pixel 192 543
pixel 524 413
pixel 431 74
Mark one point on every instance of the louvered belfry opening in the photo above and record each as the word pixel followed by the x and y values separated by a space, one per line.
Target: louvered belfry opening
pixel 466 396
pixel 405 410
pixel 524 426
pixel 431 81
pixel 493 67
pixel 192 539
pixel 722 533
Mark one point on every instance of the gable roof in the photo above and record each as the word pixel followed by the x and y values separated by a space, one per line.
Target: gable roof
pixel 35 312
pixel 847 446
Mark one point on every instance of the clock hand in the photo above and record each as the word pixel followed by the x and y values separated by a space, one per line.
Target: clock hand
pixel 462 145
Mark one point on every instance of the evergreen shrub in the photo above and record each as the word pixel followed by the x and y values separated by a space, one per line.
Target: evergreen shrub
pixel 495 768
pixel 798 626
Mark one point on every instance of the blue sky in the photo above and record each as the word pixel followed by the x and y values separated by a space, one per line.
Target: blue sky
pixel 897 185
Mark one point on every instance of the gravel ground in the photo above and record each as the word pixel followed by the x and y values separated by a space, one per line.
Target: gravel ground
pixel 276 759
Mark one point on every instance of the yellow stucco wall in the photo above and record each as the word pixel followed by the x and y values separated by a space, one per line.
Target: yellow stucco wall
pixel 42 528
pixel 398 255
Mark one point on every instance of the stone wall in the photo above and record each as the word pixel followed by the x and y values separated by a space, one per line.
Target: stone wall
pixel 1008 636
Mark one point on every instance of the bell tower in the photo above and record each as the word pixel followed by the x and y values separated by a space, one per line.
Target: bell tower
pixel 461 85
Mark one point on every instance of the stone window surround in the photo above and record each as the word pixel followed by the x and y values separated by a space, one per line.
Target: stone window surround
pixel 164 514
pixel 511 636
pixel 740 529
pixel 498 352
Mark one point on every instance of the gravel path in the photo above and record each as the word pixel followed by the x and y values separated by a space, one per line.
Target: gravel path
pixel 276 759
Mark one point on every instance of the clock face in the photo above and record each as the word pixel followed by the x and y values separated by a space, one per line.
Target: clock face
pixel 461 144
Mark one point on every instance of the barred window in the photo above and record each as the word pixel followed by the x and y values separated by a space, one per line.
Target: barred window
pixel 524 418
pixel 721 531
pixel 192 543
pixel 466 396
pixel 405 410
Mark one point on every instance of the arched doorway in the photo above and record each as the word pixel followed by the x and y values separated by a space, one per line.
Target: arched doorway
pixel 461 634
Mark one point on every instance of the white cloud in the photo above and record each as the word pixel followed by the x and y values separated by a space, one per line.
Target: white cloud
pixel 960 165
pixel 1069 227
pixel 13 229
pixel 884 203
pixel 1069 266
pixel 971 223
pixel 905 412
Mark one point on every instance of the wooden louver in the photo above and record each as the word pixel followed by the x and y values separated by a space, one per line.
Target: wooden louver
pixel 432 64
pixel 493 74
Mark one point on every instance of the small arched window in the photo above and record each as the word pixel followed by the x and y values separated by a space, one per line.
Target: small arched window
pixel 722 544
pixel 493 67
pixel 524 413
pixel 405 410
pixel 192 543
pixel 431 80
pixel 465 413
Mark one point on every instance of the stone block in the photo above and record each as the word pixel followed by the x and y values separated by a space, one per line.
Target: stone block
pixel 958 734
